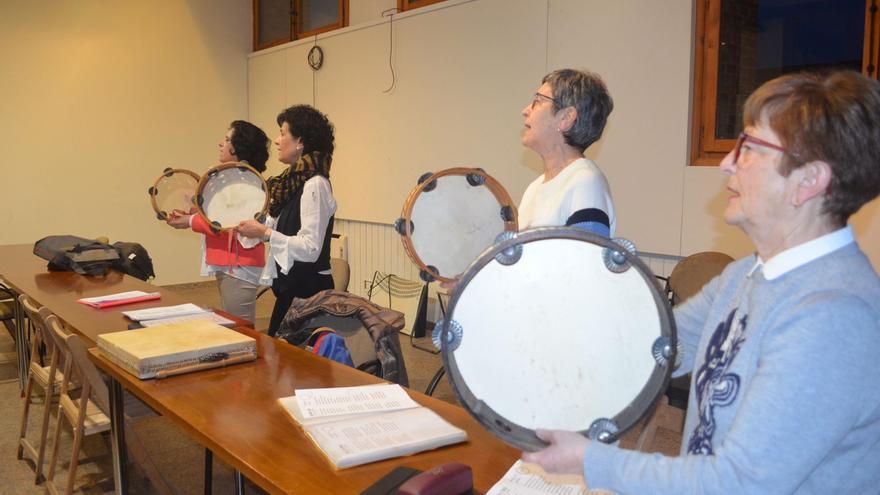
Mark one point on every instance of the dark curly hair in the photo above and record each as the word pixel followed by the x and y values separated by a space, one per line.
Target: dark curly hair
pixel 250 144
pixel 311 126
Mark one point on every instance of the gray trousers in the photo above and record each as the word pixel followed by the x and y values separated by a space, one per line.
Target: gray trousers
pixel 237 296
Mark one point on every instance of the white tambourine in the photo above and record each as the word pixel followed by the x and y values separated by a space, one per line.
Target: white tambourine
pixel 450 217
pixel 174 190
pixel 557 328
pixel 230 193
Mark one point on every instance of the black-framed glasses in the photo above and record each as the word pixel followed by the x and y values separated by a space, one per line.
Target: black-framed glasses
pixel 537 99
pixel 743 138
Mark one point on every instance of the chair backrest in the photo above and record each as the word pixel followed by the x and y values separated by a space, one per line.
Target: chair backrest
pixel 78 363
pixel 7 311
pixel 87 370
pixel 30 307
pixel 341 273
pixel 51 338
pixel 693 272
pixel 32 310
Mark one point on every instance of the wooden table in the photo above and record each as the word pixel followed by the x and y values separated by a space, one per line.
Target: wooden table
pixel 25 273
pixel 234 411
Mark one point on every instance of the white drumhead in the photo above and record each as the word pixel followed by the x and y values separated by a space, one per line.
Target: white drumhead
pixel 232 195
pixel 453 223
pixel 174 190
pixel 556 340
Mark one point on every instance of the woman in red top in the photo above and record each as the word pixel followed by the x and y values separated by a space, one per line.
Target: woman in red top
pixel 237 268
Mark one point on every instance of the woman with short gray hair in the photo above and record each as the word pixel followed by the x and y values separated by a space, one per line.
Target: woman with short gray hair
pixel 566 115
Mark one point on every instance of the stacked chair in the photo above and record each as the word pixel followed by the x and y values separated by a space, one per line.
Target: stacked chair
pixel 87 412
pixel 44 372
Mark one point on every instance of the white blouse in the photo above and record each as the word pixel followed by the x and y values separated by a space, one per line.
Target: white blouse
pixel 317 205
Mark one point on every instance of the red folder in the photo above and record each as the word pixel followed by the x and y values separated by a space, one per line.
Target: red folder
pixel 120 302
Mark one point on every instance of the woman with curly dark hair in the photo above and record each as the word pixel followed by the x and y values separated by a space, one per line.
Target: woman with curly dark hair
pixel 301 210
pixel 238 268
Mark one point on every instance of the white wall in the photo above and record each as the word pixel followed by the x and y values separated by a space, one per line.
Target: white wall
pixel 98 98
pixel 361 11
pixel 465 68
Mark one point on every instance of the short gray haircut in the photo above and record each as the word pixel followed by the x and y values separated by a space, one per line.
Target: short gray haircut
pixel 586 92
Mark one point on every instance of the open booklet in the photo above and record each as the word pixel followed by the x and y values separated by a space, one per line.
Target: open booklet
pixel 164 315
pixel 358 425
pixel 529 479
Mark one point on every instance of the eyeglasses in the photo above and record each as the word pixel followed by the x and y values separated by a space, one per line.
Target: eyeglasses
pixel 743 138
pixel 537 99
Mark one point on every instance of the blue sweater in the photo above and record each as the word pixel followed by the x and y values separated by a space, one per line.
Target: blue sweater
pixel 785 396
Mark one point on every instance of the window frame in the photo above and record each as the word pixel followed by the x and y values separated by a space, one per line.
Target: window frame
pixel 706 149
pixel 294 9
pixel 404 5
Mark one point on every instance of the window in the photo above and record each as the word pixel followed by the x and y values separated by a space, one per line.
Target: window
pixel 740 44
pixel 280 21
pixel 404 5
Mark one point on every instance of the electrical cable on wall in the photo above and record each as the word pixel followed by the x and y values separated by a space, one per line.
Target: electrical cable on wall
pixel 390 13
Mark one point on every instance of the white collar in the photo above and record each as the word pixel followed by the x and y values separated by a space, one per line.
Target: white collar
pixel 802 254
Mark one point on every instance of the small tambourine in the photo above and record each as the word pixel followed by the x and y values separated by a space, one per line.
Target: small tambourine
pixel 175 189
pixel 557 328
pixel 231 193
pixel 450 218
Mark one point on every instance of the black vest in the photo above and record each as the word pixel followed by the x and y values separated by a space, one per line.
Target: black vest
pixel 303 279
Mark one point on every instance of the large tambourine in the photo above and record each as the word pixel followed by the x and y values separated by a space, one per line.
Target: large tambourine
pixel 230 193
pixel 175 189
pixel 557 328
pixel 450 217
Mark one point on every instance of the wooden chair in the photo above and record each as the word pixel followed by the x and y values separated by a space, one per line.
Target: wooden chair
pixel 686 280
pixel 664 416
pixel 693 272
pixel 48 378
pixel 7 308
pixel 341 273
pixel 89 413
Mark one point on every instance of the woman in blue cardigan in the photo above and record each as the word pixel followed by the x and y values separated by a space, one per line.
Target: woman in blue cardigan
pixel 784 344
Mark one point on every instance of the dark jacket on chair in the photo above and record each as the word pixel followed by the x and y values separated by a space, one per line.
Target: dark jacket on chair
pixel 381 324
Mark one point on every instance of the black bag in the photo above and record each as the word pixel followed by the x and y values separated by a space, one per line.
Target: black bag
pixel 134 260
pixel 77 254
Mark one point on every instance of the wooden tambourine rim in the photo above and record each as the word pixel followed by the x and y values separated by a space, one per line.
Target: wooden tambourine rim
pixel 520 436
pixel 154 191
pixel 219 168
pixel 494 187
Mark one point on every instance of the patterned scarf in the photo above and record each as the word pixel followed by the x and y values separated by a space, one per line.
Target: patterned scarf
pixel 282 187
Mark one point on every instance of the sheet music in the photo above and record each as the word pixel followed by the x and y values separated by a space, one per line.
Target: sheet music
pixel 530 479
pixel 321 402
pixel 375 437
pixel 165 312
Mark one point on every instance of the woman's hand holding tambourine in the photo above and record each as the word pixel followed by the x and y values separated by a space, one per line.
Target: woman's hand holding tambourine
pixel 179 219
pixel 253 228
pixel 564 455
